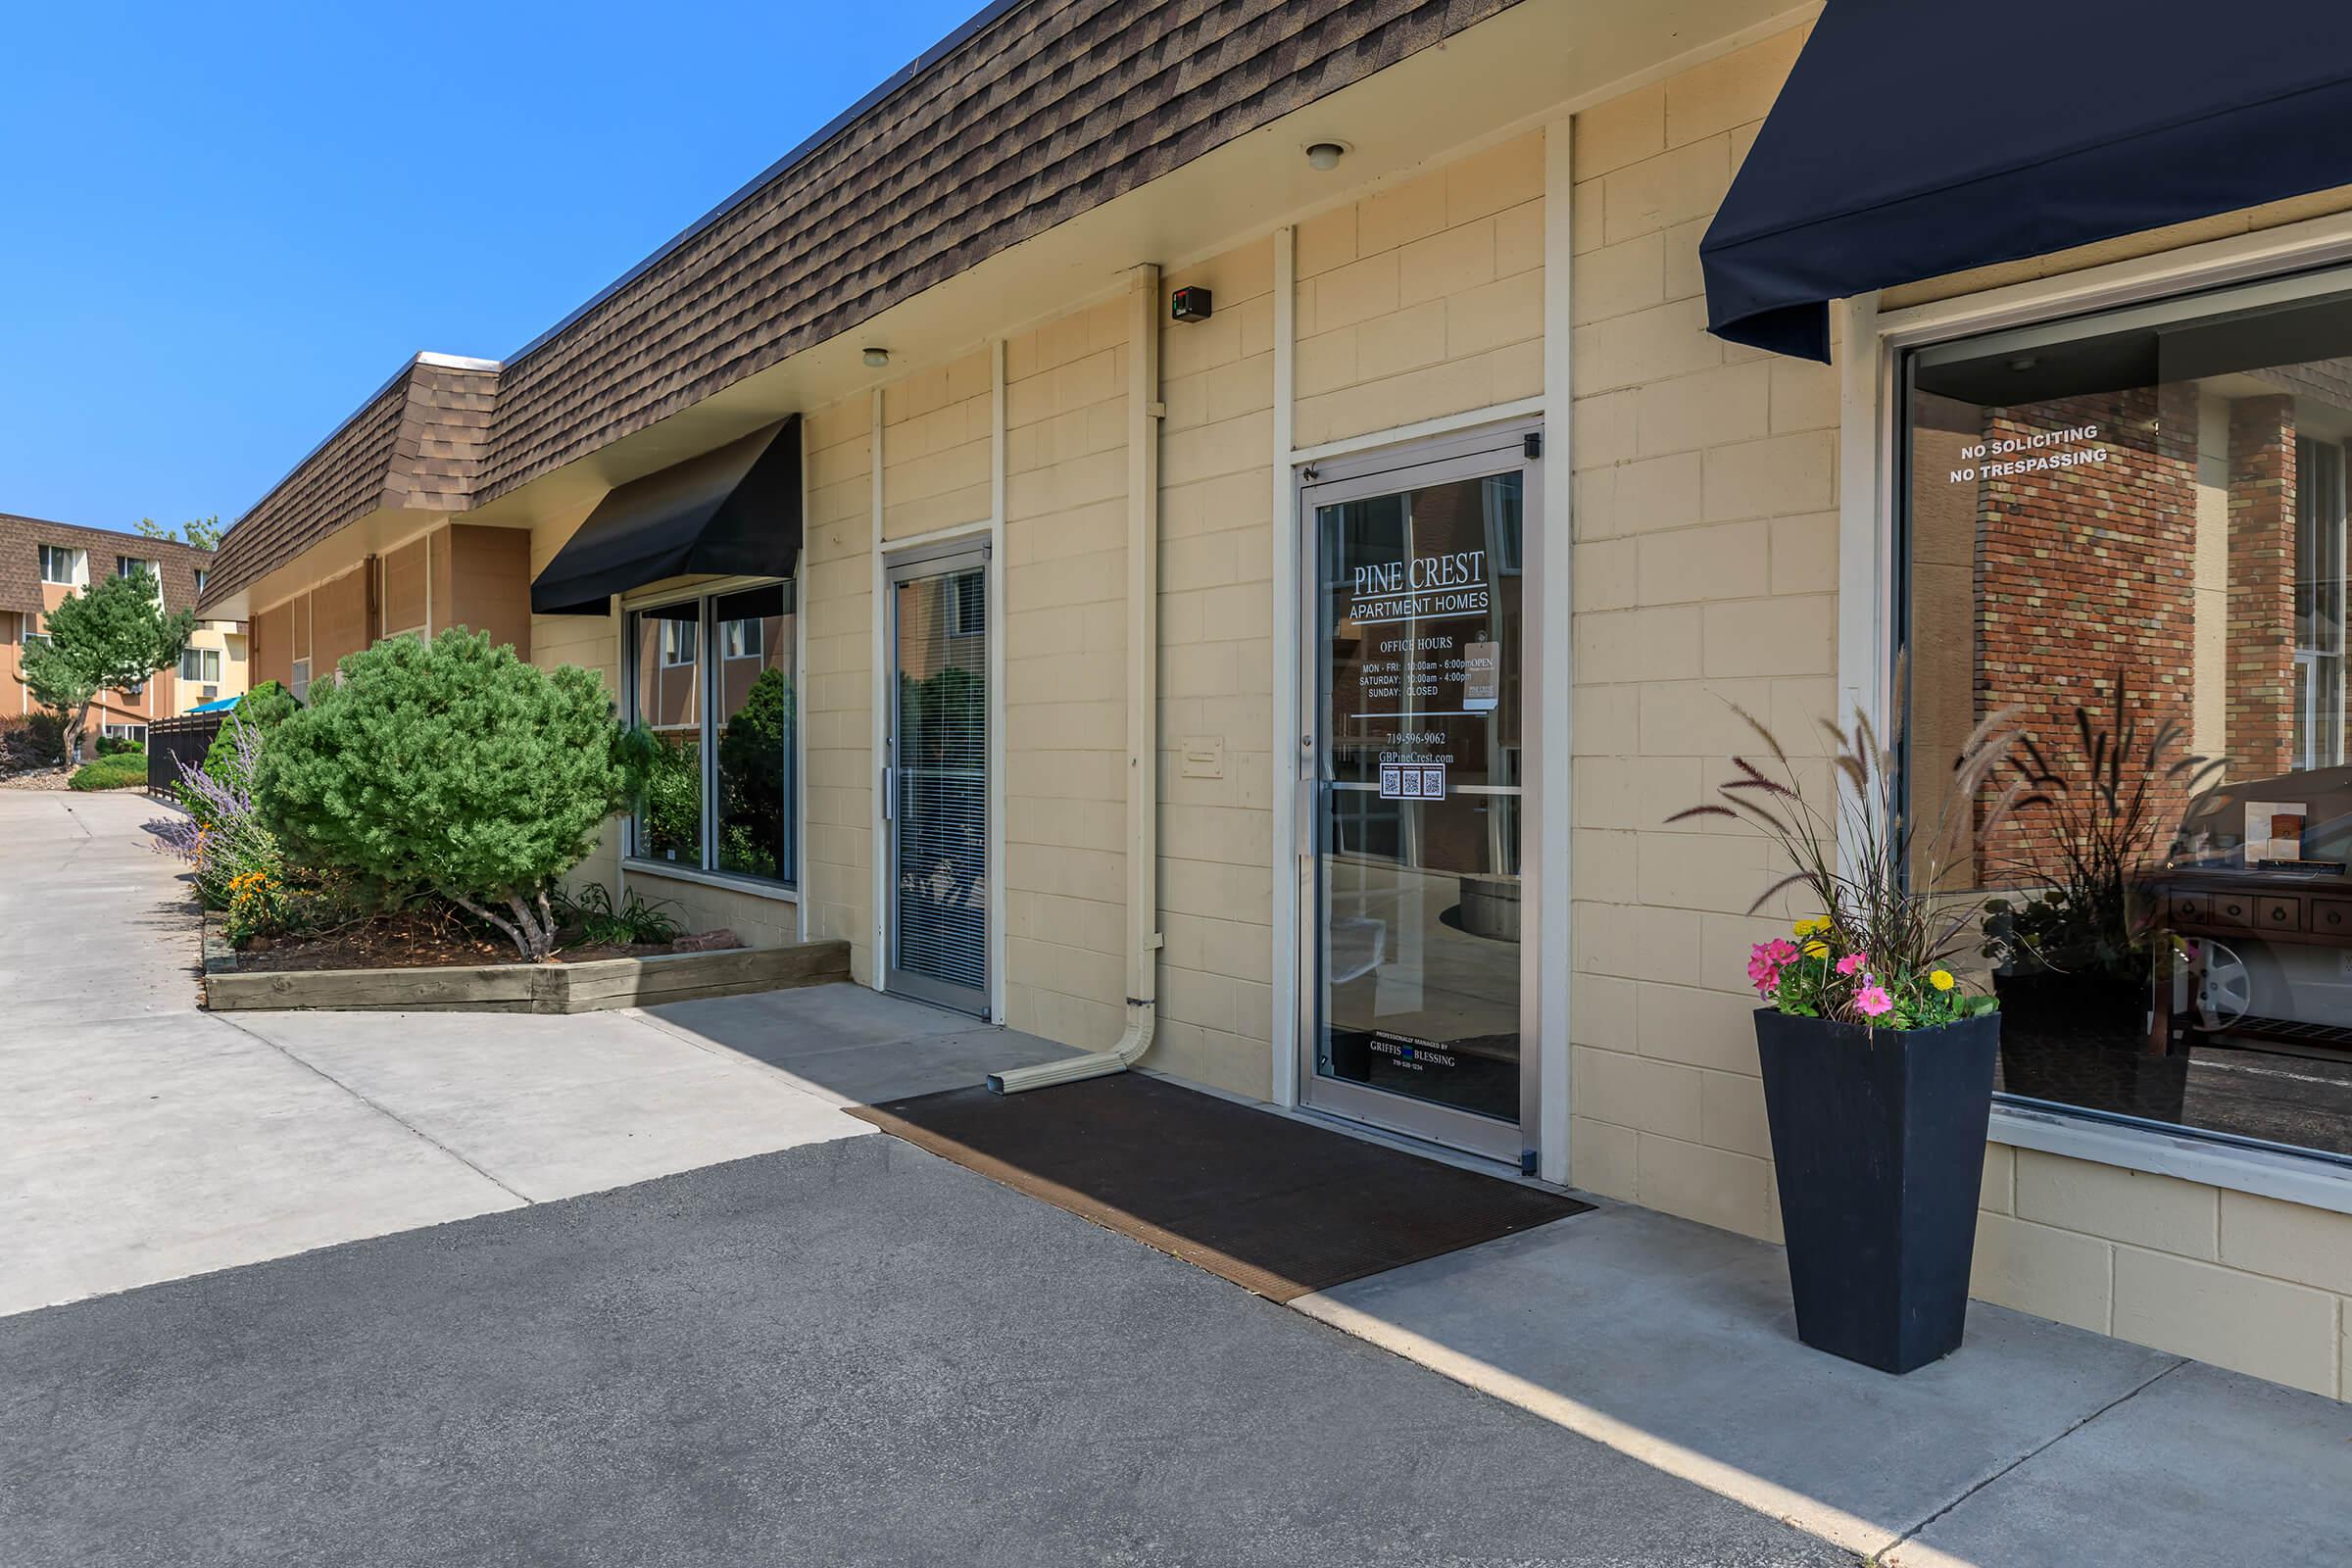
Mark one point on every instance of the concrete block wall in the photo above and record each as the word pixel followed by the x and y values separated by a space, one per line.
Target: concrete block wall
pixel 936 427
pixel 2248 1283
pixel 1705 565
pixel 1705 568
pixel 590 642
pixel 1216 663
pixel 1423 300
pixel 837 687
pixel 1065 649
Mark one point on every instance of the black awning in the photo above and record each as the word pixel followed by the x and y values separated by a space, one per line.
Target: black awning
pixel 1913 140
pixel 732 511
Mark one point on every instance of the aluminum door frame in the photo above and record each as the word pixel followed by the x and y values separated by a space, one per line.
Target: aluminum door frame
pixel 940 561
pixel 1513 446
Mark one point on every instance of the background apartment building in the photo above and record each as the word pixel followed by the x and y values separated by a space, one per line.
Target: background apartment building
pixel 42 562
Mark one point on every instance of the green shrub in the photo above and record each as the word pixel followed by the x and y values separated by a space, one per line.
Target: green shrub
pixel 120 746
pixel 670 797
pixel 590 916
pixel 451 767
pixel 37 740
pixel 121 770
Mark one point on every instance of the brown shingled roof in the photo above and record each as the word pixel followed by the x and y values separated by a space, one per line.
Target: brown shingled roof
pixel 417 442
pixel 1032 113
pixel 21 539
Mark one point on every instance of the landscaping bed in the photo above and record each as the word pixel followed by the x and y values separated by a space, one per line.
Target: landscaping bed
pixel 573 982
pixel 403 839
pixel 38 778
pixel 418 941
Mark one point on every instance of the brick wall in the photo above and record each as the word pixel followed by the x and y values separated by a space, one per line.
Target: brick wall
pixel 2262 585
pixel 2081 570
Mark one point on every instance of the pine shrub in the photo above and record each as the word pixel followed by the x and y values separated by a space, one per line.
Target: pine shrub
pixel 451 767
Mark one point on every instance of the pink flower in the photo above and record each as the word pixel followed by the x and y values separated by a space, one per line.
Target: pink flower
pixel 1765 960
pixel 1853 962
pixel 1873 1000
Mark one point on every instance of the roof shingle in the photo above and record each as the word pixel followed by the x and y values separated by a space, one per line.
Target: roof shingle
pixel 1033 116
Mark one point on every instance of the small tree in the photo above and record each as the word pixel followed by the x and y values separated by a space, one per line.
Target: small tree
pixel 202 532
pixel 451 765
pixel 113 634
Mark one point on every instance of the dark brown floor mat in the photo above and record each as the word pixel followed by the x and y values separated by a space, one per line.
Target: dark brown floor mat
pixel 1276 1206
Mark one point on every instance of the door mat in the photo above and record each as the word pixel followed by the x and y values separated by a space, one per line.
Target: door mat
pixel 1277 1206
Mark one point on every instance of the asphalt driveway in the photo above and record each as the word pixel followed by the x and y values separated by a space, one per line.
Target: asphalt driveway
pixel 848 1352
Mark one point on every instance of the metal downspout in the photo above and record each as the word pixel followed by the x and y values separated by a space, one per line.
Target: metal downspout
pixel 1144 413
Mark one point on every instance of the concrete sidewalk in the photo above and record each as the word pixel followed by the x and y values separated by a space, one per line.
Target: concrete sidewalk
pixel 143 1139
pixel 2036 1443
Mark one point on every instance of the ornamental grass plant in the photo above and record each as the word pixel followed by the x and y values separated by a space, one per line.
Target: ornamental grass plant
pixel 1883 951
pixel 2121 782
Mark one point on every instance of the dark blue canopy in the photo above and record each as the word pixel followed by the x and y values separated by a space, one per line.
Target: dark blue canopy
pixel 1915 139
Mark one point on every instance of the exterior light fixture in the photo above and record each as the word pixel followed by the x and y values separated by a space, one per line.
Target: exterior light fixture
pixel 1325 156
pixel 875 359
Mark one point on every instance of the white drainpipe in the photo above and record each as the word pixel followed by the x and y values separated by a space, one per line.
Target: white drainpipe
pixel 1144 413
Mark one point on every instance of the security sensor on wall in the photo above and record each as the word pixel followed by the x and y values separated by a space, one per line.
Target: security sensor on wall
pixel 1325 156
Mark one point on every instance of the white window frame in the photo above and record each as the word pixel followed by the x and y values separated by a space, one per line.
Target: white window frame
pixel 136 732
pixel 200 678
pixel 1870 411
pixel 77 568
pixel 681 643
pixel 298 679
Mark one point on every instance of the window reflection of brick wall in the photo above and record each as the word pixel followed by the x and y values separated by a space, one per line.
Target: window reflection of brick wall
pixel 2085 569
pixel 2262 586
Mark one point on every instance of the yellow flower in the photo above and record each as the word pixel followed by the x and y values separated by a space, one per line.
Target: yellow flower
pixel 1817 950
pixel 1941 979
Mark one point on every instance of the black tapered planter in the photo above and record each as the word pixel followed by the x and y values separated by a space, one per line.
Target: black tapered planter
pixel 1877 1141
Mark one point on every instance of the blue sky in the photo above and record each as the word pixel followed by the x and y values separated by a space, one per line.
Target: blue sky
pixel 222 228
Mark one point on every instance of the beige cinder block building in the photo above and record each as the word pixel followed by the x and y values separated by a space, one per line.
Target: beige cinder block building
pixel 1225 536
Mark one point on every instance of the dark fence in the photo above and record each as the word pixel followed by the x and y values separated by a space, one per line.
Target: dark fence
pixel 172 741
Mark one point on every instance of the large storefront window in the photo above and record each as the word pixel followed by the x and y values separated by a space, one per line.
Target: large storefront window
pixel 713 678
pixel 2129 532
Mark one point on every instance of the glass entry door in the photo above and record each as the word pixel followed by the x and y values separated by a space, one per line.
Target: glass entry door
pixel 935 783
pixel 1419 995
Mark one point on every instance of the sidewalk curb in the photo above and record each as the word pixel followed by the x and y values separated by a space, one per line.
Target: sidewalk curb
pixel 1835 1526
